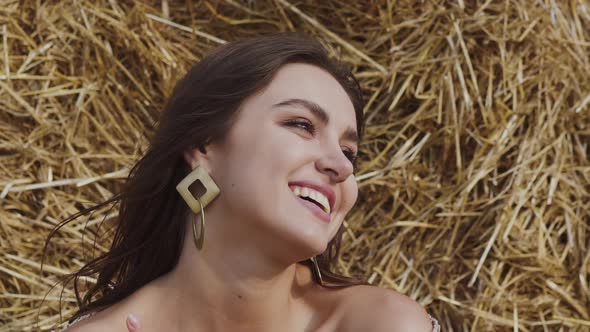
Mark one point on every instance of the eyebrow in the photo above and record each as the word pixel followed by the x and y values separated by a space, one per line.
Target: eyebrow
pixel 349 134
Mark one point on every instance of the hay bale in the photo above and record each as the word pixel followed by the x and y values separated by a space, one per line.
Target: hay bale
pixel 474 176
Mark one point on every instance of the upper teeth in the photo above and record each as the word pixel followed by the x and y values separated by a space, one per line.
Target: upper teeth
pixel 313 194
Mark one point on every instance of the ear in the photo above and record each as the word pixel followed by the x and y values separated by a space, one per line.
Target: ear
pixel 197 156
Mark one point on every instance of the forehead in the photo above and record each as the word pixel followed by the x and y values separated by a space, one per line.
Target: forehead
pixel 304 81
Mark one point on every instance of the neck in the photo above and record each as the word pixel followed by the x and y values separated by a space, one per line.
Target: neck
pixel 227 286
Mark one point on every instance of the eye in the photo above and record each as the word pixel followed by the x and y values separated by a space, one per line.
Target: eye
pixel 303 124
pixel 309 127
pixel 350 155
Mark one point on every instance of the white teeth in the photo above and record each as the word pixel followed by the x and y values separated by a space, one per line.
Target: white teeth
pixel 305 192
pixel 315 195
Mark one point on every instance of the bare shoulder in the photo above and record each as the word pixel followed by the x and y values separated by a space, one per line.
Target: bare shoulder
pixel 374 309
pixel 145 303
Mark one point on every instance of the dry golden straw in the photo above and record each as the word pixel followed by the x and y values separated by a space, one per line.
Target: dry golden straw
pixel 475 172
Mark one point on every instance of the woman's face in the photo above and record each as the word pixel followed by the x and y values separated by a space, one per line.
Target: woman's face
pixel 279 142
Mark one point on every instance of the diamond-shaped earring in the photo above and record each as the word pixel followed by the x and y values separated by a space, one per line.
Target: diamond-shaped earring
pixel 198 204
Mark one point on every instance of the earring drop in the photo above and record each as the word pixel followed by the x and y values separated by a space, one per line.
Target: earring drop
pixel 198 204
pixel 317 269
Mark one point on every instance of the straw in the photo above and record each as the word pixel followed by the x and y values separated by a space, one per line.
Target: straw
pixel 474 175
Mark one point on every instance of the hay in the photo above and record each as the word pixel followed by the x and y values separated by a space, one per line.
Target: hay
pixel 475 175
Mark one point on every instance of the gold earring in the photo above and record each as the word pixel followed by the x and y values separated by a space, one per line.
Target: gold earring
pixel 197 204
pixel 201 235
pixel 317 269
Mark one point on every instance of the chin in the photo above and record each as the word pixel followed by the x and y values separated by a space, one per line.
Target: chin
pixel 310 246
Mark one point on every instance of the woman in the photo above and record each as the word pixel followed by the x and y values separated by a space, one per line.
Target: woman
pixel 233 217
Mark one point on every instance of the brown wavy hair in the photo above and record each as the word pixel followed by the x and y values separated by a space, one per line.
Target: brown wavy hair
pixel 150 231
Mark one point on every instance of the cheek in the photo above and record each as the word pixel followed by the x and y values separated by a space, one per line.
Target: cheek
pixel 256 149
pixel 256 162
pixel 350 194
pixel 349 197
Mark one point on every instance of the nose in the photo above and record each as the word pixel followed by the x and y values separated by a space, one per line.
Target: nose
pixel 334 163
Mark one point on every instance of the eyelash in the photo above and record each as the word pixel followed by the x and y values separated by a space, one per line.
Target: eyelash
pixel 309 127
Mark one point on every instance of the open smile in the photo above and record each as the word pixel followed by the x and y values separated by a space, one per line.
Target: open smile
pixel 314 208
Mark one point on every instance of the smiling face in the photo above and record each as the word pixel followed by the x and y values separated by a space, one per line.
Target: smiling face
pixel 299 132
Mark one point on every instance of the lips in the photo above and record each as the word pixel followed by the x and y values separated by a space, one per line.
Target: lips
pixel 314 209
pixel 326 190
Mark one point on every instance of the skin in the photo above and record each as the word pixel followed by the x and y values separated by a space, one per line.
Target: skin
pixel 246 277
